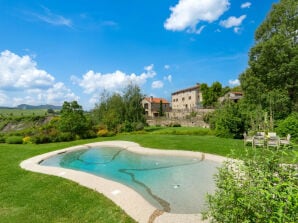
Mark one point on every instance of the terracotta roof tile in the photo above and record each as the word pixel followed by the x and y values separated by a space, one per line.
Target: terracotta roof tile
pixel 157 100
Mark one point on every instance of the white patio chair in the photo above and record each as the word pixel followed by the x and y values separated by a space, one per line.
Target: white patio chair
pixel 272 140
pixel 247 139
pixel 285 141
pixel 259 139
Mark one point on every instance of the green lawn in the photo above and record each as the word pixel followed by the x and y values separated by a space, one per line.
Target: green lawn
pixel 33 197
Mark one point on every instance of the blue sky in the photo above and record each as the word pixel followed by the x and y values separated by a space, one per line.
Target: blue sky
pixel 53 51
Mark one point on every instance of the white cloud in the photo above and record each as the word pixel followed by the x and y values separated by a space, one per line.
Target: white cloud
pixel 188 13
pixel 93 82
pixel 51 18
pixel 232 21
pixel 245 5
pixel 168 78
pixel 237 29
pixel 167 67
pixel 22 82
pixel 22 73
pixel 149 68
pixel 235 82
pixel 195 30
pixel 58 93
pixel 157 84
pixel 3 98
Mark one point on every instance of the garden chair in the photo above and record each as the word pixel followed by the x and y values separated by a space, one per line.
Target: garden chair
pixel 285 141
pixel 247 139
pixel 272 140
pixel 259 139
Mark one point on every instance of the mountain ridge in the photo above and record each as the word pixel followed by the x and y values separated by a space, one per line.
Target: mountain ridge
pixel 28 107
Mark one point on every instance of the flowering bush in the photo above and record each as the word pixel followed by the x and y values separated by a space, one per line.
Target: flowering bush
pixel 103 132
pixel 27 140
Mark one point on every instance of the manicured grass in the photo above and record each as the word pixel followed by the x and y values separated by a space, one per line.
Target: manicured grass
pixel 33 197
pixel 208 144
pixel 179 130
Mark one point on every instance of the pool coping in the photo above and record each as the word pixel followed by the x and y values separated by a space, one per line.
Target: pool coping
pixel 125 197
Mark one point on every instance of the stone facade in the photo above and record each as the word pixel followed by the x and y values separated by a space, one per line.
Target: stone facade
pixel 152 106
pixel 187 99
pixel 189 118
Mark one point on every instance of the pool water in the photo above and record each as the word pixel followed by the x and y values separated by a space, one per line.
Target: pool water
pixel 170 183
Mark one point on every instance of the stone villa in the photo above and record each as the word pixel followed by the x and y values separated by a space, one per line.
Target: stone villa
pixel 152 106
pixel 187 99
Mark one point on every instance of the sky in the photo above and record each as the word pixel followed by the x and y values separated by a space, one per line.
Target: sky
pixel 53 51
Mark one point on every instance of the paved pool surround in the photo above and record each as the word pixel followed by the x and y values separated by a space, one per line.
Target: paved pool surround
pixel 125 197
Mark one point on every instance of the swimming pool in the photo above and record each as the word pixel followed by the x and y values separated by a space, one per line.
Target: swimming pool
pixel 174 184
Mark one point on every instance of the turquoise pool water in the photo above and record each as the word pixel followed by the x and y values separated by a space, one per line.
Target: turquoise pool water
pixel 172 184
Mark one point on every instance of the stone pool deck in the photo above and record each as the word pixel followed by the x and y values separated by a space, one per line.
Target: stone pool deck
pixel 125 197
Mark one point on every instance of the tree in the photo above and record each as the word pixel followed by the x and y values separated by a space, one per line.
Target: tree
pixel 256 189
pixel 50 111
pixel 273 61
pixel 72 118
pixel 134 111
pixel 229 120
pixel 160 108
pixel 212 93
pixel 116 110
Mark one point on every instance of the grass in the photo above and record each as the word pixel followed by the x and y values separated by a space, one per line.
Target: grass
pixel 208 144
pixel 13 112
pixel 179 130
pixel 32 197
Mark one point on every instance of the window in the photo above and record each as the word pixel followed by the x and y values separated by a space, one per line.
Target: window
pixel 189 98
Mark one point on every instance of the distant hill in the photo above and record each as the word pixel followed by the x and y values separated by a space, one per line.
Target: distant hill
pixel 29 107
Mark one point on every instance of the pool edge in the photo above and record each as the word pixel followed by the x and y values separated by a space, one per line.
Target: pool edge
pixel 125 197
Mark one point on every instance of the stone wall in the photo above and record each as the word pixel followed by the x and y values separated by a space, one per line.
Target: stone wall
pixel 193 117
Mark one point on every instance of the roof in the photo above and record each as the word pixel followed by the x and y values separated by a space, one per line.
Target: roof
pixel 187 89
pixel 157 100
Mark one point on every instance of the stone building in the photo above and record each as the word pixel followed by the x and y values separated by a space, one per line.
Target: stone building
pixel 233 96
pixel 187 99
pixel 152 106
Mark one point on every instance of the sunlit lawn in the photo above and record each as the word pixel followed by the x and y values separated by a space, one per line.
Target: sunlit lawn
pixel 33 197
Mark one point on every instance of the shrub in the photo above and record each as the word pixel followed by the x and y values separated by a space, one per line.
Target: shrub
pixel 2 139
pixel 289 126
pixel 89 134
pixel 175 124
pixel 138 126
pixel 103 133
pixel 40 139
pixel 256 189
pixel 127 127
pixel 14 140
pixel 65 137
pixel 27 140
pixel 228 121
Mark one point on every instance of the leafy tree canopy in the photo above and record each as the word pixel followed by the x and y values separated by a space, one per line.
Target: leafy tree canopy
pixel 72 118
pixel 212 93
pixel 271 78
pixel 115 110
